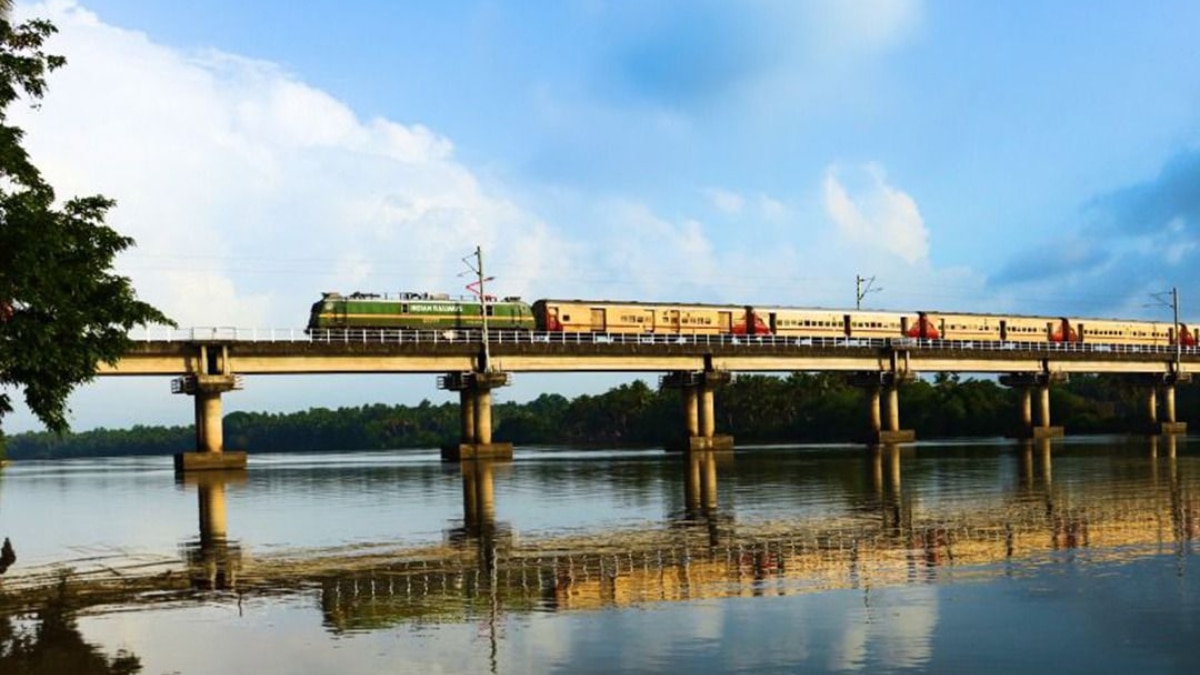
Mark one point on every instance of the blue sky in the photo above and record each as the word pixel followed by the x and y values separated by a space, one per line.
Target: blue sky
pixel 1012 157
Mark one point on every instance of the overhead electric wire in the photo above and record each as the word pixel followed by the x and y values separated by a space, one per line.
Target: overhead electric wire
pixel 900 295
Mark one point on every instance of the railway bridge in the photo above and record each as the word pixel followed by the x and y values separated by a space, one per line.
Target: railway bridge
pixel 209 362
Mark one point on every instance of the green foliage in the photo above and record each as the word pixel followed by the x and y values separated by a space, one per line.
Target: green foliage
pixel 62 310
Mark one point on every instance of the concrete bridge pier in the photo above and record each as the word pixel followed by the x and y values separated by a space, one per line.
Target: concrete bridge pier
pixel 475 396
pixel 1169 424
pixel 205 388
pixel 881 387
pixel 1027 385
pixel 699 409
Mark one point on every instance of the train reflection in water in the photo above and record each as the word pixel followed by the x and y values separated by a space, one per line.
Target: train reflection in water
pixel 884 521
pixel 705 553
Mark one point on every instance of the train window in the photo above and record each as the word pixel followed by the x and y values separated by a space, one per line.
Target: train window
pixel 566 317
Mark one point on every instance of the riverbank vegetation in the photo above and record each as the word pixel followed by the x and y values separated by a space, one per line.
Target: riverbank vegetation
pixel 801 407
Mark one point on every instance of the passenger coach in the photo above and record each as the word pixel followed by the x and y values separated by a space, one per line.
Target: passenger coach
pixel 440 311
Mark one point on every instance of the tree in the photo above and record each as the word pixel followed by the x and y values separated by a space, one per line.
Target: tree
pixel 62 309
pixel 54 644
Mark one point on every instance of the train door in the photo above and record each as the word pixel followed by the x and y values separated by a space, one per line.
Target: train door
pixel 1067 331
pixel 846 325
pixel 673 326
pixel 904 325
pixel 599 321
pixel 1080 332
pixel 1003 330
pixel 754 324
pixel 771 322
pixel 724 322
pixel 750 319
pixel 929 328
pixel 550 320
pixel 1063 332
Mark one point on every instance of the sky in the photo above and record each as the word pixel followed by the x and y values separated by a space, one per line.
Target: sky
pixel 1016 157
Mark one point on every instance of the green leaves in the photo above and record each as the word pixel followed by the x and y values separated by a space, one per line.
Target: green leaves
pixel 62 309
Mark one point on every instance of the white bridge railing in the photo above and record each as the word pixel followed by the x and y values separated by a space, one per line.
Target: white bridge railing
pixel 409 336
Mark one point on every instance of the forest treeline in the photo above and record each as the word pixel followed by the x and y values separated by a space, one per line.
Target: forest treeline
pixel 801 407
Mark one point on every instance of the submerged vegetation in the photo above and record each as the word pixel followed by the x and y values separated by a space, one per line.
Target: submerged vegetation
pixel 801 407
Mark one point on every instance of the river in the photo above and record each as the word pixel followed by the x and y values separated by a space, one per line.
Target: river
pixel 982 557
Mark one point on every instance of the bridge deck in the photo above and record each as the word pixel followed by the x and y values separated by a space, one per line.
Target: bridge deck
pixel 294 352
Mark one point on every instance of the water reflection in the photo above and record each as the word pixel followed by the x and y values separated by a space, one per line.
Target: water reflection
pixel 480 531
pixel 1185 508
pixel 887 528
pixel 702 511
pixel 213 561
pixel 46 640
pixel 427 589
pixel 893 506
pixel 8 555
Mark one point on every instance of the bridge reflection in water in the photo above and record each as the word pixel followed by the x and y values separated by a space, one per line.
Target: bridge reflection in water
pixel 704 553
pixel 213 560
pixel 887 536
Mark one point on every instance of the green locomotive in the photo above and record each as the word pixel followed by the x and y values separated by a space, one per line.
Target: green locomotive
pixel 432 311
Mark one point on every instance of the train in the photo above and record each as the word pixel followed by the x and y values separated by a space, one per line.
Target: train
pixel 440 311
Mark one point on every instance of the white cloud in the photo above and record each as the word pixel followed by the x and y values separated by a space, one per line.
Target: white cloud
pixel 726 201
pixel 772 210
pixel 865 26
pixel 875 214
pixel 248 191
pixel 654 257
